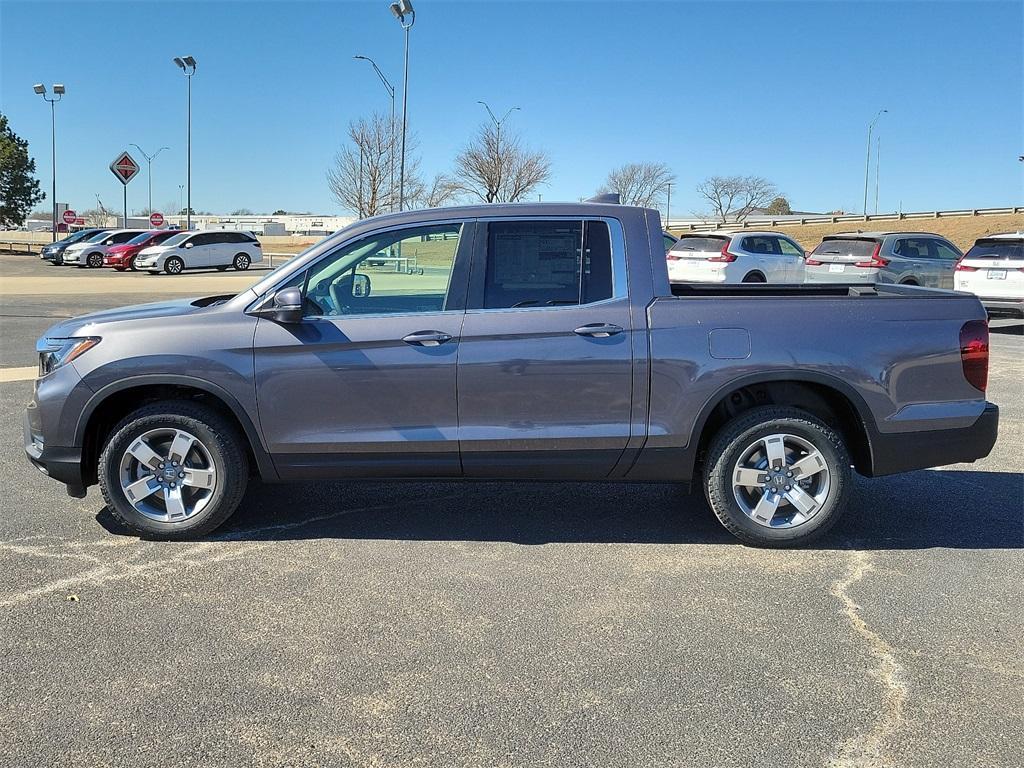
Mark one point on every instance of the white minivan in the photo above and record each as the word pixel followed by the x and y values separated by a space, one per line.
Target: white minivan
pixel 735 257
pixel 212 248
pixel 993 270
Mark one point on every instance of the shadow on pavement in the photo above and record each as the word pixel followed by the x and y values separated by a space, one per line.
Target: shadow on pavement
pixel 955 509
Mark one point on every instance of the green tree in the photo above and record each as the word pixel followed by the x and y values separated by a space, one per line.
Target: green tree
pixel 279 212
pixel 19 189
pixel 779 207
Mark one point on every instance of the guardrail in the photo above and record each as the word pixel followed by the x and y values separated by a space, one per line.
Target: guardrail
pixel 22 246
pixel 762 221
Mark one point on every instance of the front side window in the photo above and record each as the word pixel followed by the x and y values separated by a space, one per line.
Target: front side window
pixel 121 237
pixel 547 263
pixel 400 271
pixel 946 252
pixel 788 247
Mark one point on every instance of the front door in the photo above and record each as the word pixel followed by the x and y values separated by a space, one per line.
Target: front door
pixel 366 383
pixel 545 360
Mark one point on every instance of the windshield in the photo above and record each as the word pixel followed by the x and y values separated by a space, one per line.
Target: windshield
pixel 698 244
pixel 997 249
pixel 77 237
pixel 178 238
pixel 97 237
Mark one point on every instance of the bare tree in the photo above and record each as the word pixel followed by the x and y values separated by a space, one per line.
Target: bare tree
pixel 443 189
pixel 736 196
pixel 496 168
pixel 361 179
pixel 642 184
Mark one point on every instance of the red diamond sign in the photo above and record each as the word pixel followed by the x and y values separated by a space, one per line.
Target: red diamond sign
pixel 124 167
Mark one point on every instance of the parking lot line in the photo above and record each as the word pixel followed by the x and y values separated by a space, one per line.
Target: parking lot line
pixel 26 373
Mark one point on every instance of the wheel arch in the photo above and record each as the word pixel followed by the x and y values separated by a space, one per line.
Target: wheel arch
pixel 111 403
pixel 827 397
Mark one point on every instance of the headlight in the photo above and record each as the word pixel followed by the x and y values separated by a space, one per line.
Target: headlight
pixel 59 352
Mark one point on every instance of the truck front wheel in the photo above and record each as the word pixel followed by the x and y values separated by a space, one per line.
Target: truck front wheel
pixel 173 470
pixel 777 476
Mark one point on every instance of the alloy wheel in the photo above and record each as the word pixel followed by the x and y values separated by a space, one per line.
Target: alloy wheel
pixel 781 481
pixel 168 475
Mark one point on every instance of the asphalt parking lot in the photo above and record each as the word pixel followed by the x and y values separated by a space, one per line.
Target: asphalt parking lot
pixel 501 624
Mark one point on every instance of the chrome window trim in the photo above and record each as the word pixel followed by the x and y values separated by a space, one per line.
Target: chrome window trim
pixel 620 287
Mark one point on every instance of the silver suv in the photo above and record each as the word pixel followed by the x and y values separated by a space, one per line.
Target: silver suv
pixel 910 258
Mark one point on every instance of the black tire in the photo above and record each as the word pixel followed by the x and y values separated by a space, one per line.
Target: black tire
pixel 754 277
pixel 131 265
pixel 736 436
pixel 911 281
pixel 241 262
pixel 218 436
pixel 174 266
pixel 94 260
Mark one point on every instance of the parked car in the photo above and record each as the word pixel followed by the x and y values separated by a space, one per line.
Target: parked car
pixel 54 253
pixel 993 269
pixel 122 257
pixel 735 257
pixel 910 258
pixel 90 253
pixel 542 342
pixel 220 248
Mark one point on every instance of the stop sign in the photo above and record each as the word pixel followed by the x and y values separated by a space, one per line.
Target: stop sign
pixel 70 216
pixel 156 219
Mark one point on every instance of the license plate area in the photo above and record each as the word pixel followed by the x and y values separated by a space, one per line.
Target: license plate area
pixel 836 267
pixel 996 274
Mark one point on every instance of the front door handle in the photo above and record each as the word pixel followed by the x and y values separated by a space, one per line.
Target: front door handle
pixel 427 338
pixel 598 330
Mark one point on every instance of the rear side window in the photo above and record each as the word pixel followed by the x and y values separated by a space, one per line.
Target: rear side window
pixel 669 242
pixel 844 247
pixel 699 244
pixel 762 245
pixel 547 263
pixel 916 248
pixel 997 249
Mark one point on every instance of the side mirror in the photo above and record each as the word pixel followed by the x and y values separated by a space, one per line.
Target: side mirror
pixel 288 306
pixel 188 244
pixel 360 286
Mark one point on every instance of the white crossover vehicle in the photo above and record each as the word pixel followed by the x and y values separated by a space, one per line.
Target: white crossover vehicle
pixel 735 257
pixel 90 253
pixel 212 248
pixel 993 270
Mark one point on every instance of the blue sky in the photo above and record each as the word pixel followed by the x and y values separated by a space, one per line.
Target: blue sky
pixel 782 90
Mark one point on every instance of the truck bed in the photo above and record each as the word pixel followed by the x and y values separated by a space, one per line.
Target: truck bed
pixel 755 290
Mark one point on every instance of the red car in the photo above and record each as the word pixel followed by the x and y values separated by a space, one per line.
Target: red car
pixel 122 257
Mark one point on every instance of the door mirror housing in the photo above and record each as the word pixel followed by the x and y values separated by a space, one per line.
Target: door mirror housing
pixel 189 244
pixel 287 306
pixel 360 285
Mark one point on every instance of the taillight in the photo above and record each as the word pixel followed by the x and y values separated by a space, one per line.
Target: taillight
pixel 974 352
pixel 672 257
pixel 961 267
pixel 876 260
pixel 812 262
pixel 724 255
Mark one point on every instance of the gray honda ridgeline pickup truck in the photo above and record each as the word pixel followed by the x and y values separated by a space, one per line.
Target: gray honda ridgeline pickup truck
pixel 528 342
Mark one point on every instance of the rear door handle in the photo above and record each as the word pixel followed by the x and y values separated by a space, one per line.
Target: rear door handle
pixel 427 338
pixel 598 330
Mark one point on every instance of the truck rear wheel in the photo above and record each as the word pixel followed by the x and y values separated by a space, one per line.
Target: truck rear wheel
pixel 777 476
pixel 173 470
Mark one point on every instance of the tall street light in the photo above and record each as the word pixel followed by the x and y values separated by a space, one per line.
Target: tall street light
pixel 497 141
pixel 402 10
pixel 149 169
pixel 58 92
pixel 867 163
pixel 391 92
pixel 187 64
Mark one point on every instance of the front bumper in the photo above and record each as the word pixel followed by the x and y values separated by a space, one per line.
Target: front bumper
pixel 61 463
pixel 922 449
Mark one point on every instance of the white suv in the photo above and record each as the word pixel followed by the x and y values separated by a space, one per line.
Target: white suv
pixel 993 270
pixel 219 248
pixel 90 253
pixel 740 257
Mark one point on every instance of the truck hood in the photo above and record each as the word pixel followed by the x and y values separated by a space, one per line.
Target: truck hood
pixel 93 323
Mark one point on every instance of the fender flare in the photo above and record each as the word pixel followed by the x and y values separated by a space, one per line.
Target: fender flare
pixel 252 434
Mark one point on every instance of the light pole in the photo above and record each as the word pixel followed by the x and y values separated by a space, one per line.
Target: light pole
pixel 668 206
pixel 878 162
pixel 149 170
pixel 391 92
pixel 180 188
pixel 867 163
pixel 187 64
pixel 403 9
pixel 497 142
pixel 58 92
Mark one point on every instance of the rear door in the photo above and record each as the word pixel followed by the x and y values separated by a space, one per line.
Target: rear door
pixel 792 256
pixel 767 258
pixel 947 256
pixel 545 361
pixel 915 261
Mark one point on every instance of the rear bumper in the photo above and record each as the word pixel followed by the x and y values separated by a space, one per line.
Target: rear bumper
pixel 907 451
